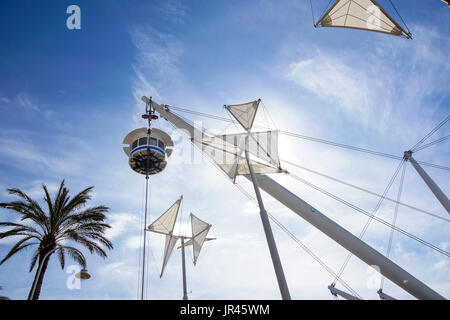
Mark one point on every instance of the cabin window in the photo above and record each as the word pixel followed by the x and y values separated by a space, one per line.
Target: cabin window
pixel 153 142
pixel 134 145
pixel 161 144
pixel 143 141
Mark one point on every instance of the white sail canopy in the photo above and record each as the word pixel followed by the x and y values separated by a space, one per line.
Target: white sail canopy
pixel 263 145
pixel 227 152
pixel 244 113
pixel 361 14
pixel 200 230
pixel 190 242
pixel 166 222
pixel 168 248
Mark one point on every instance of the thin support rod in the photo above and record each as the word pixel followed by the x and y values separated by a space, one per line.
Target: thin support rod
pixel 145 214
pixel 145 239
pixel 183 263
pixel 284 290
pixel 438 193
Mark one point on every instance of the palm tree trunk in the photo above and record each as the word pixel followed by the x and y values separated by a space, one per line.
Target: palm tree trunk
pixel 39 280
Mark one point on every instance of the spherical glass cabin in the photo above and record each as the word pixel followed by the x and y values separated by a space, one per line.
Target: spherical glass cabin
pixel 142 151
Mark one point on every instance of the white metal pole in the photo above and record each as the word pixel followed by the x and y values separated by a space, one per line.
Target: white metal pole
pixel 282 284
pixel 144 247
pixel 183 261
pixel 439 194
pixel 343 237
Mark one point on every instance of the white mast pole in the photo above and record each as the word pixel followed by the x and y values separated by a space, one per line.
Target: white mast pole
pixel 145 236
pixel 439 194
pixel 346 239
pixel 282 284
pixel 183 261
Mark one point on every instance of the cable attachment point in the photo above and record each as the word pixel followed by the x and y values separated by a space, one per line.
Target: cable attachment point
pixel 149 112
pixel 407 155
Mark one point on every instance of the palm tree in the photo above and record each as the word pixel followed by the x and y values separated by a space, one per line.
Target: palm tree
pixel 65 220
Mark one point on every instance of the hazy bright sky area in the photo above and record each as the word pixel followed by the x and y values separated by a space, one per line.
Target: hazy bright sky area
pixel 69 97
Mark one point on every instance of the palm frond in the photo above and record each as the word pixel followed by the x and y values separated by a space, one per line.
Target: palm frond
pixel 18 231
pixel 48 200
pixel 34 260
pixel 28 210
pixel 76 255
pixel 58 206
pixel 30 229
pixel 35 206
pixel 61 257
pixel 17 248
pixel 79 200
pixel 90 215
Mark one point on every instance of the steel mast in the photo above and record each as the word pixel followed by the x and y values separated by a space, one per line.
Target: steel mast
pixel 333 230
pixel 183 262
pixel 148 110
pixel 282 284
pixel 438 193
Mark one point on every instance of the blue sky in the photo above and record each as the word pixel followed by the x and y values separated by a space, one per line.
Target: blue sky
pixel 68 97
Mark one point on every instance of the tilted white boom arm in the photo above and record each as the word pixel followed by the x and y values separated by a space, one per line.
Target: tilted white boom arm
pixel 333 230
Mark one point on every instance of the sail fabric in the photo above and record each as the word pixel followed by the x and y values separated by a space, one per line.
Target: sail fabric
pixel 361 14
pixel 244 113
pixel 200 230
pixel 227 151
pixel 168 248
pixel 166 222
pixel 258 168
pixel 263 145
pixel 226 155
pixel 190 242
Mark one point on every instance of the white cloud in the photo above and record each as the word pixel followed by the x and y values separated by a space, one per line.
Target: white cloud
pixel 174 10
pixel 121 223
pixel 23 100
pixel 333 81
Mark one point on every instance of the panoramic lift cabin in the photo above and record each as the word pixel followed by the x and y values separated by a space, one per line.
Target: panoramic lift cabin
pixel 143 150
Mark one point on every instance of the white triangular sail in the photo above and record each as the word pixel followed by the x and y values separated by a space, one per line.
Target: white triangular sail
pixel 263 145
pixel 244 113
pixel 223 153
pixel 363 15
pixel 166 222
pixel 227 152
pixel 190 242
pixel 200 230
pixel 168 248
